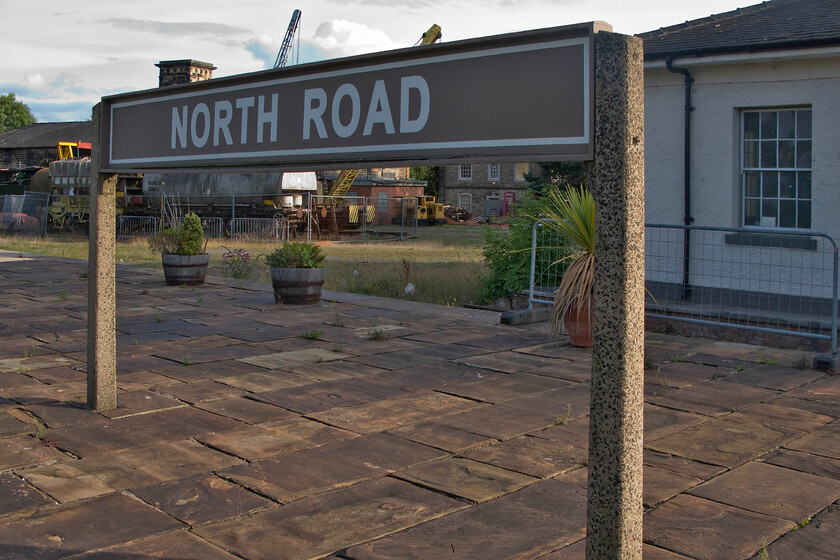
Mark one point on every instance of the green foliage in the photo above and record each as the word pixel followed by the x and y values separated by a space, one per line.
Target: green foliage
pixel 429 174
pixel 507 253
pixel 188 239
pixel 562 175
pixel 238 264
pixel 192 236
pixel 13 113
pixel 296 255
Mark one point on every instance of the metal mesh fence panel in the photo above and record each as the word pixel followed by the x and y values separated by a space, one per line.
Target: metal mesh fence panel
pixel 761 280
pixel 24 212
pixel 137 226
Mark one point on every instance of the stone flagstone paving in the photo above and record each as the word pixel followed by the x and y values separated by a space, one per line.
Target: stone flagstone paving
pixel 400 430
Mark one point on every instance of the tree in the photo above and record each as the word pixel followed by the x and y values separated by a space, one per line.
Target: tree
pixel 13 113
pixel 428 174
pixel 560 174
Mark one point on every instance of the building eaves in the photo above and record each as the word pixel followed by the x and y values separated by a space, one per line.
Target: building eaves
pixel 771 25
pixel 46 135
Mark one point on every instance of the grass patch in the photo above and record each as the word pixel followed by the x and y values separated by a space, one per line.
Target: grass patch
pixel 444 264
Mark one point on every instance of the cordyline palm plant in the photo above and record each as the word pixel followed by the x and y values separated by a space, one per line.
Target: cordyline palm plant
pixel 572 213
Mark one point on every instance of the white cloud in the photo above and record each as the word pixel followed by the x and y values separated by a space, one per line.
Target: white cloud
pixel 34 79
pixel 336 38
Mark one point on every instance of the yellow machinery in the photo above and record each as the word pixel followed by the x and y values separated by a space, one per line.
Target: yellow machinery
pixel 429 212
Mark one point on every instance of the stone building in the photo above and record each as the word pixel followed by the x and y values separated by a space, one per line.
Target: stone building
pixel 36 145
pixel 485 189
pixel 174 72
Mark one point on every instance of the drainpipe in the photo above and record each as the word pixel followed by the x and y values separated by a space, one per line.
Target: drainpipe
pixel 687 218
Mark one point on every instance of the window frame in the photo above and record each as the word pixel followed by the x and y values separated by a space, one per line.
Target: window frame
pixel 770 158
pixel 494 167
pixel 516 169
pixel 465 176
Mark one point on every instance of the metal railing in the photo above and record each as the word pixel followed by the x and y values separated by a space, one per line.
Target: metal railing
pixel 137 226
pixel 763 280
pixel 23 212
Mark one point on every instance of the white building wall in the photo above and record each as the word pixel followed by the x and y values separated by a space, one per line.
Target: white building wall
pixel 719 94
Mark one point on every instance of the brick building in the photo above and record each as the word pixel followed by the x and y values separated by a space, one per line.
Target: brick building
pixel 36 145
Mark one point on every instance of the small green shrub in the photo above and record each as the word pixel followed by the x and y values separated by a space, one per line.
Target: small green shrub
pixel 237 264
pixel 296 255
pixel 188 239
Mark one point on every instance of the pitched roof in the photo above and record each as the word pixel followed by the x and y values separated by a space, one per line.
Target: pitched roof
pixel 776 24
pixel 46 135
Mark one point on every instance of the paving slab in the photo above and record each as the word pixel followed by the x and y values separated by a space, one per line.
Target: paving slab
pixel 140 402
pixel 58 532
pixel 71 480
pixel 320 525
pixel 467 479
pixel 260 442
pixel 202 499
pixel 661 421
pixel 772 490
pixel 536 519
pixel 815 541
pixel 386 414
pixel 439 375
pixel 713 398
pixel 174 545
pixel 442 437
pixel 826 390
pixel 778 378
pixel 532 456
pixel 247 410
pixel 279 360
pixel 315 397
pixel 575 433
pixel 681 465
pixel 683 374
pixel 700 528
pixel 825 441
pixel 662 484
pixel 12 425
pixel 805 462
pixel 17 495
pixel 727 442
pixel 23 451
pixel 314 471
pixel 505 387
pixel 200 391
pixel 778 415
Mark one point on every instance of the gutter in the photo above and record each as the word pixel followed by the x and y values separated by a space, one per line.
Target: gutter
pixel 687 218
pixel 694 60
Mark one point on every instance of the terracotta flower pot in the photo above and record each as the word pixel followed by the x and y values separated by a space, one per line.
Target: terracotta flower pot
pixel 185 270
pixel 578 324
pixel 297 286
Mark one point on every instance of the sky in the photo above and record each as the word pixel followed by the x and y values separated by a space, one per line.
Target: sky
pixel 60 58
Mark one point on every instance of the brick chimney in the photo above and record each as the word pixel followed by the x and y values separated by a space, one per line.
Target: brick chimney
pixel 173 72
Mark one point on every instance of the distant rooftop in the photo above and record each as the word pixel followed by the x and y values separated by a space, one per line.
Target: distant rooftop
pixel 777 24
pixel 45 135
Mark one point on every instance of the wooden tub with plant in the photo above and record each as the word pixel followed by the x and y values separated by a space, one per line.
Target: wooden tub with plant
pixel 297 273
pixel 182 251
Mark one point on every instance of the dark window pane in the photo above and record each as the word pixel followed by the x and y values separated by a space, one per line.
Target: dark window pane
pixel 787 153
pixel 768 154
pixel 787 184
pixel 750 126
pixel 804 215
pixel 770 184
pixel 768 124
pixel 803 124
pixel 752 209
pixel 787 213
pixel 752 183
pixel 803 154
pixel 769 211
pixel 751 154
pixel 804 179
pixel 787 124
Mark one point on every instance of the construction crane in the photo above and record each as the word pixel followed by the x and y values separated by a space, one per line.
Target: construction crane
pixel 283 55
pixel 345 179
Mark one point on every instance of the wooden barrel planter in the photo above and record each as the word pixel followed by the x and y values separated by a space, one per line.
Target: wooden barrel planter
pixel 185 270
pixel 297 286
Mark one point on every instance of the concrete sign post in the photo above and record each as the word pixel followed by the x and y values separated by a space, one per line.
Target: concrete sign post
pixel 101 343
pixel 614 512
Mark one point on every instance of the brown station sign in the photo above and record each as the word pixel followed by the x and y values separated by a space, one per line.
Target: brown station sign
pixel 523 96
